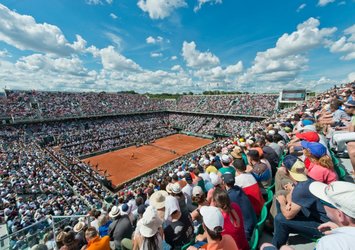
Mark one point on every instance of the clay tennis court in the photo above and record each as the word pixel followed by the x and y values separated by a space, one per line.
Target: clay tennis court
pixel 146 158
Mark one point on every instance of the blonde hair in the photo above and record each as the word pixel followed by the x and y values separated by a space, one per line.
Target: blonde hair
pixel 325 161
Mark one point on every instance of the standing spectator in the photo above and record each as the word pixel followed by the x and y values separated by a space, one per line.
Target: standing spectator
pixel 120 228
pixel 237 196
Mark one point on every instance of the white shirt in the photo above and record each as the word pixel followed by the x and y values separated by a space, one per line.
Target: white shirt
pixel 341 238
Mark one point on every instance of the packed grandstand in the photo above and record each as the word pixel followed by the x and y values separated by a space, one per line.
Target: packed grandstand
pixel 256 177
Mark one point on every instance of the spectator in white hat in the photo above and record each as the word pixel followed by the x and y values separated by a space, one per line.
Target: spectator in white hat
pixel 213 224
pixel 179 230
pixel 339 203
pixel 120 228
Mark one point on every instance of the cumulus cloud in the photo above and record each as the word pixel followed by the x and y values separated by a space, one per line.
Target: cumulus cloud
pixel 173 58
pixel 25 34
pixel 301 7
pixel 160 9
pixel 176 68
pixel 346 44
pixel 156 54
pixel 202 2
pixel 36 62
pixel 154 40
pixel 220 74
pixel 197 59
pixel 113 16
pixel 287 59
pixel 112 60
pixel 323 3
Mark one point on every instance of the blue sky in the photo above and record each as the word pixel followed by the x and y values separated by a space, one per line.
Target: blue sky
pixel 176 45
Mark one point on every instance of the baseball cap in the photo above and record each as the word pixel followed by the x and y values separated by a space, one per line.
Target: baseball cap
pixel 308 136
pixel 228 178
pixel 226 159
pixel 215 179
pixel 197 191
pixel 315 148
pixel 339 194
pixel 212 217
pixel 307 122
pixel 295 167
pixel 188 178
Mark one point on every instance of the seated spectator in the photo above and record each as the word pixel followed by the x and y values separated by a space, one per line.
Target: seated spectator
pixel 226 167
pixel 157 200
pixel 79 229
pixel 120 228
pixel 233 218
pixel 339 203
pixel 69 241
pixel 258 169
pixel 179 230
pixel 198 197
pixel 149 234
pixel 237 195
pixel 300 212
pixel 213 224
pixel 94 240
pixel 249 185
pixel 321 166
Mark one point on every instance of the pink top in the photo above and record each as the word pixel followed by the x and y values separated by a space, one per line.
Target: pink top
pixel 322 174
pixel 235 227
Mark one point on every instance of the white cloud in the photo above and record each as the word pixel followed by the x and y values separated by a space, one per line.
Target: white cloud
pixel 173 58
pixel 197 59
pixel 113 16
pixel 346 44
pixel 301 7
pixel 220 74
pixel 112 60
pixel 202 2
pixel 153 40
pixel 156 54
pixel 116 40
pixel 36 62
pixel 25 34
pixel 323 3
pixel 176 68
pixel 160 9
pixel 287 59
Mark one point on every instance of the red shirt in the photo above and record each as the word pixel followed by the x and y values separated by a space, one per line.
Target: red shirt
pixel 235 227
pixel 322 174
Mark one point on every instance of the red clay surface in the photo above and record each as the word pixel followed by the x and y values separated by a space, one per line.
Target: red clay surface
pixel 146 158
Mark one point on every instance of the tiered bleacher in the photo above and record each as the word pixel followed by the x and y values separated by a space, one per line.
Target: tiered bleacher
pixel 280 175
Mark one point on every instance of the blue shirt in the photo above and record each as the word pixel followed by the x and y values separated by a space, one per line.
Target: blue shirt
pixel 237 195
pixel 311 207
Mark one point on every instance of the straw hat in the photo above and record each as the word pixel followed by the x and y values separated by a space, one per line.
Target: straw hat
pixel 79 227
pixel 157 200
pixel 115 211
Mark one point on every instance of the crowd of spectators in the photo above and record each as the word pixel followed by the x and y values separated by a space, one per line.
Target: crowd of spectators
pixel 43 104
pixel 36 105
pixel 243 104
pixel 211 198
